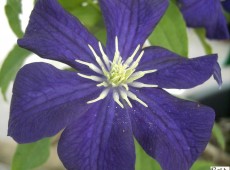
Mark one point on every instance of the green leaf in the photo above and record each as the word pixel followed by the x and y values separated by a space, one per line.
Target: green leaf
pixel 88 15
pixel 100 34
pixel 143 161
pixel 10 66
pixel 13 10
pixel 217 133
pixel 71 4
pixel 227 62
pixel 201 165
pixel 171 32
pixel 29 156
pixel 227 16
pixel 202 37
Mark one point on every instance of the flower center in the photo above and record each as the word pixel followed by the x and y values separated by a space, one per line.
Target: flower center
pixel 117 75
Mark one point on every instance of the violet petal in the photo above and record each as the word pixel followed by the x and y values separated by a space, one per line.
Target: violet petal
pixel 101 139
pixel 55 34
pixel 45 100
pixel 207 14
pixel 132 21
pixel 171 130
pixel 174 71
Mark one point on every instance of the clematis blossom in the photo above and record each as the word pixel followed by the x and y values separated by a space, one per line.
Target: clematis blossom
pixel 205 14
pixel 116 94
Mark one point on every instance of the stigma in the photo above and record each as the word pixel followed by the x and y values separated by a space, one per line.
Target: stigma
pixel 117 75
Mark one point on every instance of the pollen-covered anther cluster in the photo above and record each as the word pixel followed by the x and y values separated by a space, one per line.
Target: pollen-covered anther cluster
pixel 117 75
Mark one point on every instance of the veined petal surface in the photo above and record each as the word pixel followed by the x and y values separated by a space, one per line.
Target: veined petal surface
pixel 174 71
pixel 171 130
pixel 55 34
pixel 132 21
pixel 207 14
pixel 45 100
pixel 101 139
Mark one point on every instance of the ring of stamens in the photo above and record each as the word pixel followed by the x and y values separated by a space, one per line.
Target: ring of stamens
pixel 117 75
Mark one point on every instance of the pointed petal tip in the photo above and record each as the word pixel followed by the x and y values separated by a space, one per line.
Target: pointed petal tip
pixel 177 127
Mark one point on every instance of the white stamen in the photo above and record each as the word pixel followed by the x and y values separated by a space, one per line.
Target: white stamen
pixel 124 96
pixel 138 75
pixel 104 56
pixel 134 97
pixel 141 85
pixel 119 77
pixel 91 66
pixel 98 59
pixel 117 53
pixel 103 84
pixel 130 59
pixel 135 63
pixel 126 87
pixel 149 71
pixel 103 94
pixel 116 98
pixel 116 44
pixel 94 78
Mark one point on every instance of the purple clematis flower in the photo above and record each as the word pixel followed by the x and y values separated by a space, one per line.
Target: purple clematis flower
pixel 207 14
pixel 116 94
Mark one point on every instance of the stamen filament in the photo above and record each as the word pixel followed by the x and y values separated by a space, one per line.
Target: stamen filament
pixel 116 98
pixel 129 72
pixel 126 87
pixel 130 59
pixel 98 59
pixel 117 53
pixel 149 71
pixel 138 75
pixel 94 78
pixel 105 57
pixel 124 96
pixel 135 63
pixel 135 76
pixel 91 66
pixel 103 84
pixel 103 94
pixel 134 97
pixel 141 85
pixel 116 44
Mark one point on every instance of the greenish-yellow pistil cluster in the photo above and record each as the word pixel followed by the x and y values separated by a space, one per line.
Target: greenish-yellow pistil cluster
pixel 117 76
